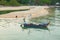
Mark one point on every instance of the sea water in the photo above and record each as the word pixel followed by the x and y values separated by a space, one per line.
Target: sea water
pixel 10 29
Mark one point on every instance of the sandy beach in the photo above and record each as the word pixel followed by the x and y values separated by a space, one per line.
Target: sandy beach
pixel 35 11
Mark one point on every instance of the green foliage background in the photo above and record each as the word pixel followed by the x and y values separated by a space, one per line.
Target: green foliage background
pixel 27 2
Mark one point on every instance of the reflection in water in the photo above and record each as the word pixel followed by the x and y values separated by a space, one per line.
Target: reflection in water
pixel 10 28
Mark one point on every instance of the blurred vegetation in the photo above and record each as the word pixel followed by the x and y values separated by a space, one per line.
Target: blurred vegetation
pixel 8 11
pixel 28 2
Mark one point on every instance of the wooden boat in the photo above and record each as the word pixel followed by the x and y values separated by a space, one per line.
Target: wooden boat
pixel 39 26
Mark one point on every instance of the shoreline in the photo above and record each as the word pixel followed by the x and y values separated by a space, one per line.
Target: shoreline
pixel 35 11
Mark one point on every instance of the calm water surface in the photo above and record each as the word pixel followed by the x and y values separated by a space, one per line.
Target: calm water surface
pixel 10 28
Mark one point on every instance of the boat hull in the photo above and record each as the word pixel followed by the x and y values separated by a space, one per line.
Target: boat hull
pixel 39 26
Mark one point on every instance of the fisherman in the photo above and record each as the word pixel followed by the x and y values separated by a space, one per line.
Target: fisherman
pixel 26 20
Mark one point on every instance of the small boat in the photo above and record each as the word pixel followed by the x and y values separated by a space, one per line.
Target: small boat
pixel 39 26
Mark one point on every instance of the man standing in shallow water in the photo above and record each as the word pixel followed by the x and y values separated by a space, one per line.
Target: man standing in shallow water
pixel 26 20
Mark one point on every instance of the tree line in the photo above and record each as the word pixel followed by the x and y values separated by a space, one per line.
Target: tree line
pixel 28 2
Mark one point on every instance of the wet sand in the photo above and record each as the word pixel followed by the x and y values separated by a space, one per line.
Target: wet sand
pixel 35 11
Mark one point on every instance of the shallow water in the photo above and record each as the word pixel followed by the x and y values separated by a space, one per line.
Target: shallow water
pixel 10 28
